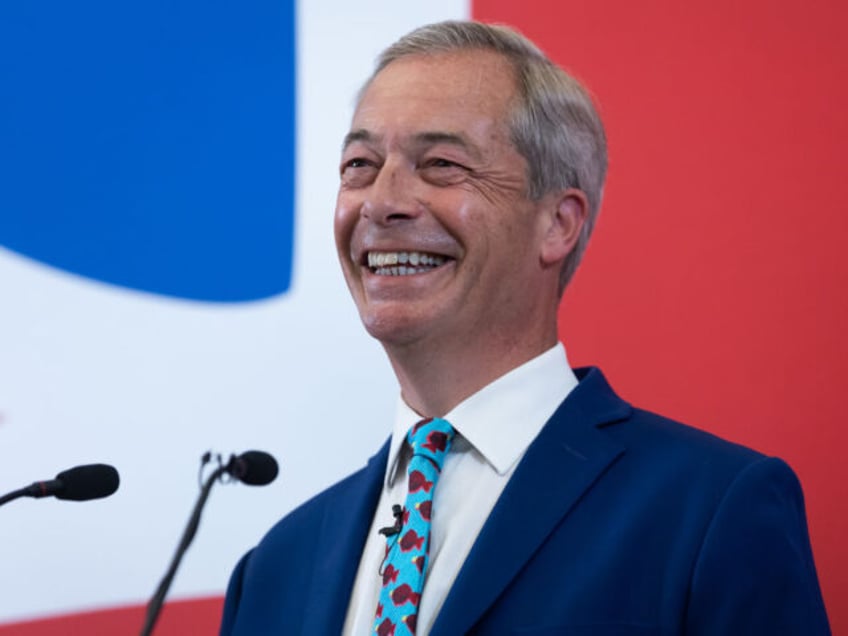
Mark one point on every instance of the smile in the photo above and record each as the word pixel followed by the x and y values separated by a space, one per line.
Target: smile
pixel 403 263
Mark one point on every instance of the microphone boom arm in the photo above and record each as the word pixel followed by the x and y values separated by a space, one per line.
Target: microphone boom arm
pixel 21 492
pixel 254 468
pixel 154 607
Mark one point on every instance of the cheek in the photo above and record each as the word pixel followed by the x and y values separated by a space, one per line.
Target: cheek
pixel 488 228
pixel 344 221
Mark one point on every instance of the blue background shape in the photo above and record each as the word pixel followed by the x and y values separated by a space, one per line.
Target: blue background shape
pixel 151 144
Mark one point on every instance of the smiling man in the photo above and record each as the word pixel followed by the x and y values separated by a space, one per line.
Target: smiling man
pixel 515 495
pixel 432 176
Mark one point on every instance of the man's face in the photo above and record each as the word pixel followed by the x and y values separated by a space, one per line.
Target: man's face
pixel 436 236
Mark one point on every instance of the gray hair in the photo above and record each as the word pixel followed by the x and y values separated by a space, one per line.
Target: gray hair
pixel 555 126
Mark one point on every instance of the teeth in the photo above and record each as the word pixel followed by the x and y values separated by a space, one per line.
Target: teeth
pixel 384 258
pixel 385 263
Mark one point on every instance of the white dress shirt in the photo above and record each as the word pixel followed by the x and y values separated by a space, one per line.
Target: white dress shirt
pixel 494 428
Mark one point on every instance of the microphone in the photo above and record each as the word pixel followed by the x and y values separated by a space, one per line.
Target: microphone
pixel 254 468
pixel 93 481
pixel 390 531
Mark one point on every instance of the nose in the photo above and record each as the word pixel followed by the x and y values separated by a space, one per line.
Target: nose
pixel 392 195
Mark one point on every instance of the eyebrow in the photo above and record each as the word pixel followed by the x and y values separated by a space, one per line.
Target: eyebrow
pixel 357 135
pixel 428 138
pixel 453 139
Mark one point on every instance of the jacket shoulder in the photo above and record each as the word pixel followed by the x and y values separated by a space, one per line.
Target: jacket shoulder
pixel 311 553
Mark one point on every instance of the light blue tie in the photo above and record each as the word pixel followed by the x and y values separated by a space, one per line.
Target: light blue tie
pixel 407 552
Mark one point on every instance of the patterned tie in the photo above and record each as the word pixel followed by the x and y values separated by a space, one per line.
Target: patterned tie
pixel 407 552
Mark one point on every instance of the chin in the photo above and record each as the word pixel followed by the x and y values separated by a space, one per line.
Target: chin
pixel 393 328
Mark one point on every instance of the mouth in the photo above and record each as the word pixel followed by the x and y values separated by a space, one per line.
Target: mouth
pixel 403 263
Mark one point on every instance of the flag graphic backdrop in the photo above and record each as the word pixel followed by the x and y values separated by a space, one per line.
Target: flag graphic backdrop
pixel 169 283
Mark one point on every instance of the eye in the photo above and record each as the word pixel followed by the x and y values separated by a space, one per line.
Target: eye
pixel 443 172
pixel 356 162
pixel 357 172
pixel 440 162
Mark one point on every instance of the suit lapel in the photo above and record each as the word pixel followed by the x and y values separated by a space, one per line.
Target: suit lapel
pixel 347 518
pixel 563 462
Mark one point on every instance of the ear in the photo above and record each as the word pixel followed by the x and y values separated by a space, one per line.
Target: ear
pixel 566 215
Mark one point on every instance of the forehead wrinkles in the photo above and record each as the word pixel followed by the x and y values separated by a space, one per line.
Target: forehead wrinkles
pixel 461 79
pixel 472 70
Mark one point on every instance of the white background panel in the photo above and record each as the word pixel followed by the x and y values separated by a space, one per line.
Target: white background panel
pixel 95 373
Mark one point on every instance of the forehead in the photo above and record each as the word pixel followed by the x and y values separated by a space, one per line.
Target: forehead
pixel 467 92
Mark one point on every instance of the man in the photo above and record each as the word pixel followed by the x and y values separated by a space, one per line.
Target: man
pixel 470 181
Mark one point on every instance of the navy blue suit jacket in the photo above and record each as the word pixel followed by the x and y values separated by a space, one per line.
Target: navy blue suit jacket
pixel 616 521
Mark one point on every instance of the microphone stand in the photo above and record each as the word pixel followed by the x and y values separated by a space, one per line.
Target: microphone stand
pixel 154 607
pixel 22 492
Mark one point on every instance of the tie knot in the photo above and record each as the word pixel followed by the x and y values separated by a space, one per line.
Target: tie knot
pixel 431 438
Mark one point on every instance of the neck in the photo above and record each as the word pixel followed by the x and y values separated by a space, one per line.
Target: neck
pixel 434 379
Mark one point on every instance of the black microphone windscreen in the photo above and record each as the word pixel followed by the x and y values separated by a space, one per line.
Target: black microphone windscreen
pixel 87 482
pixel 256 468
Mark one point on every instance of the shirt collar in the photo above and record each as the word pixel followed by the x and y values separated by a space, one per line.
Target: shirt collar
pixel 503 418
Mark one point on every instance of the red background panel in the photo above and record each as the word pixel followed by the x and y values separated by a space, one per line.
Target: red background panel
pixel 714 290
pixel 178 618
